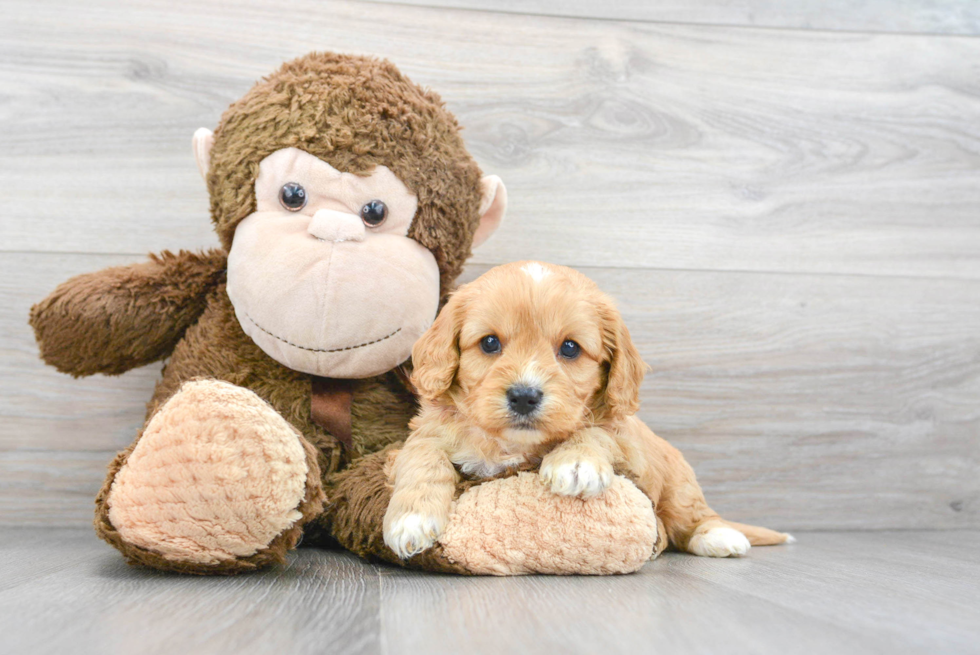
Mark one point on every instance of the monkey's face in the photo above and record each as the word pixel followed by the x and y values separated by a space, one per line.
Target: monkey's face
pixel 323 276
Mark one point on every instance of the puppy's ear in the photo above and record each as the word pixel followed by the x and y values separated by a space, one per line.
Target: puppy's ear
pixel 621 396
pixel 435 356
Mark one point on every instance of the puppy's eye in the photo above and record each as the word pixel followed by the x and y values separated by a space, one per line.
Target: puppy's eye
pixel 490 344
pixel 569 349
pixel 374 213
pixel 292 196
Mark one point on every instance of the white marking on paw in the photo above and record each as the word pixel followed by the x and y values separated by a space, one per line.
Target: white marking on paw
pixel 410 534
pixel 536 271
pixel 790 539
pixel 719 542
pixel 575 479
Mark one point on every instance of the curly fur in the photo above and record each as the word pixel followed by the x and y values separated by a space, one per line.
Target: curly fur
pixel 354 113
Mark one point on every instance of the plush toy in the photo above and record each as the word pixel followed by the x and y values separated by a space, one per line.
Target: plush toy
pixel 346 204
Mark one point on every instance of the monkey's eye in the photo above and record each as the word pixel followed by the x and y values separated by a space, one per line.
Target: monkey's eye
pixel 292 196
pixel 374 213
pixel 569 349
pixel 490 344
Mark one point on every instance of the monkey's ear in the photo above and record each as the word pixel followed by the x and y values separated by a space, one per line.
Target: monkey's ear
pixel 202 141
pixel 492 208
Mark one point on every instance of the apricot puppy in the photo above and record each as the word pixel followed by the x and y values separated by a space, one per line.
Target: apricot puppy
pixel 532 363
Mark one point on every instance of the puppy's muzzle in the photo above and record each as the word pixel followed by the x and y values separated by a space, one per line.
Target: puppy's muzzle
pixel 523 400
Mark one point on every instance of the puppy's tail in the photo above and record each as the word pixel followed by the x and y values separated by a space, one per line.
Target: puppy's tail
pixel 761 536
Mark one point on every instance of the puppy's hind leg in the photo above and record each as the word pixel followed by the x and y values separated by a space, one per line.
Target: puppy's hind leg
pixel 694 527
pixel 691 525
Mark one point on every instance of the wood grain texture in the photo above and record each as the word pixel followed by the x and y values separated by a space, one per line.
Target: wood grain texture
pixel 853 580
pixel 960 17
pixel 802 401
pixel 888 592
pixel 635 145
pixel 98 604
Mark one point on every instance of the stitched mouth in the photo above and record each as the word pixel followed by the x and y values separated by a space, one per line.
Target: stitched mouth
pixel 321 350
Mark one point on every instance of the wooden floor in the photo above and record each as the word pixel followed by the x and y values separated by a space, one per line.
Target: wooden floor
pixel 63 591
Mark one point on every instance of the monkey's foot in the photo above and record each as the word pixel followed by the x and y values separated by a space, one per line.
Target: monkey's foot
pixel 218 482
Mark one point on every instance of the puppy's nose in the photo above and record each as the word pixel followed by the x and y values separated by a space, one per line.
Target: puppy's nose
pixel 523 400
pixel 331 225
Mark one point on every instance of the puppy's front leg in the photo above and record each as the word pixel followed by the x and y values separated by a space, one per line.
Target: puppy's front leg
pixel 581 465
pixel 425 481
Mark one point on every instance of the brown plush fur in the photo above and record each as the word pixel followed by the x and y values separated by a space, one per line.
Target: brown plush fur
pixel 86 325
pixel 352 112
pixel 356 502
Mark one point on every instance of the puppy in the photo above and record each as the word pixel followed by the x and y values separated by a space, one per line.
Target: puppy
pixel 531 363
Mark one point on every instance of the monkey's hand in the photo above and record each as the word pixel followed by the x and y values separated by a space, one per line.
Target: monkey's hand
pixel 119 318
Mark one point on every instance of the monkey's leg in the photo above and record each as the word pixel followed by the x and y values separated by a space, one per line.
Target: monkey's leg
pixel 217 483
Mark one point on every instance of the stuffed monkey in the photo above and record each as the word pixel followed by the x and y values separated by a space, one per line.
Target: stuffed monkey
pixel 346 204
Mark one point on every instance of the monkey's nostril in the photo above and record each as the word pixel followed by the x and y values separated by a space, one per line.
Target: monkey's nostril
pixel 524 400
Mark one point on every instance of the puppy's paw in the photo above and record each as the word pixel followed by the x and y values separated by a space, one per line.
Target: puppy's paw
pixel 410 534
pixel 576 477
pixel 719 542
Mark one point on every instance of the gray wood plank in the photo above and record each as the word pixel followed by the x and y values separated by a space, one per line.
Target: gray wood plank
pixel 320 602
pixel 802 401
pixel 905 16
pixel 51 487
pixel 637 145
pixel 950 543
pixel 62 590
pixel 849 593
pixel 909 598
pixel 30 554
pixel 656 610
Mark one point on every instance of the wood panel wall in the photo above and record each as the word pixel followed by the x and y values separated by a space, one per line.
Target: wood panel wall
pixel 784 198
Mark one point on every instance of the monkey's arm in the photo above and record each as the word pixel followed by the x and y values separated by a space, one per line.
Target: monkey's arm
pixel 119 318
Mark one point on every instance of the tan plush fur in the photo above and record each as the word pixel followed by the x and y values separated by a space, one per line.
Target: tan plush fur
pixel 515 526
pixel 230 451
pixel 510 525
pixel 581 431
